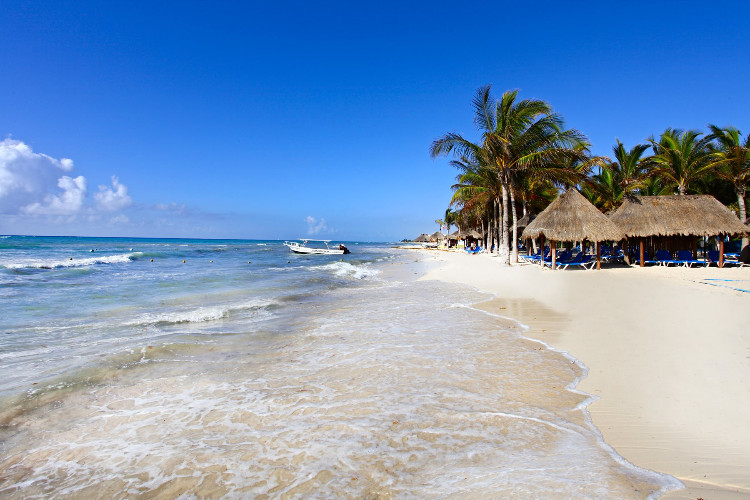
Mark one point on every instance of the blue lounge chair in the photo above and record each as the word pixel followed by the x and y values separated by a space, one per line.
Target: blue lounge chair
pixel 646 259
pixel 713 258
pixel 580 260
pixel 559 257
pixel 685 258
pixel 533 258
pixel 664 258
pixel 609 254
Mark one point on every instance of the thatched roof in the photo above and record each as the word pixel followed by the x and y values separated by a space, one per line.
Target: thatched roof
pixel 422 238
pixel 571 217
pixel 688 215
pixel 525 220
pixel 437 236
pixel 472 233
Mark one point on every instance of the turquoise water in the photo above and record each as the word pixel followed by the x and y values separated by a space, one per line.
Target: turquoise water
pixel 236 369
pixel 70 301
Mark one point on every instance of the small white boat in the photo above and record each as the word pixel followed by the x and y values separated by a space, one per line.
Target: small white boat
pixel 304 248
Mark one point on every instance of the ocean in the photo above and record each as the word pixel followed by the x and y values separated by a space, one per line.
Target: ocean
pixel 163 368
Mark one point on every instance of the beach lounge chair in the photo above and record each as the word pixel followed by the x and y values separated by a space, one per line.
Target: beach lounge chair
pixel 580 260
pixel 713 258
pixel 646 259
pixel 664 258
pixel 531 258
pixel 537 258
pixel 685 258
pixel 611 255
pixel 559 257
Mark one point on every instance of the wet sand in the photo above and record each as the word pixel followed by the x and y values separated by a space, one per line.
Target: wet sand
pixel 668 352
pixel 390 389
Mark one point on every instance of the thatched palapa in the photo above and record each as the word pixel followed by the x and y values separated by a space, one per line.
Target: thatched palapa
pixel 688 215
pixel 422 238
pixel 525 220
pixel 571 217
pixel 675 223
pixel 473 233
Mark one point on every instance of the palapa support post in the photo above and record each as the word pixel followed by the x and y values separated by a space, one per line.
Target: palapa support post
pixel 554 254
pixel 598 255
pixel 721 250
pixel 642 263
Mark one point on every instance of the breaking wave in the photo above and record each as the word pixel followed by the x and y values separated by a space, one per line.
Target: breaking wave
pixel 201 314
pixel 71 262
pixel 347 270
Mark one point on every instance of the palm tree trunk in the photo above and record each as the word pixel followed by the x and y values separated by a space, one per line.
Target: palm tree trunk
pixel 496 226
pixel 514 241
pixel 682 189
pixel 743 212
pixel 504 254
pixel 488 229
pixel 490 226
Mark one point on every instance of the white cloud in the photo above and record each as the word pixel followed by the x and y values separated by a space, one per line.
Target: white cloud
pixel 69 202
pixel 29 179
pixel 114 199
pixel 315 226
pixel 35 184
pixel 120 220
pixel 177 209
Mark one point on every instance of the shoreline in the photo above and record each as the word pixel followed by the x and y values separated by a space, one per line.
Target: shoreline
pixel 667 354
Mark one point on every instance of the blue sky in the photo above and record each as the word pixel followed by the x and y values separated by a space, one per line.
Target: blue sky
pixel 291 119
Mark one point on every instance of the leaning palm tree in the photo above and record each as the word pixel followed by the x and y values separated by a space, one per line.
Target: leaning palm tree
pixel 681 159
pixel 731 158
pixel 515 136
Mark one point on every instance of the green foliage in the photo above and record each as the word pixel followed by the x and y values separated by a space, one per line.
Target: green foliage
pixel 524 147
pixel 682 159
pixel 522 143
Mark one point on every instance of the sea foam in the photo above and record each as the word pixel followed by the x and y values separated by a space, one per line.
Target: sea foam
pixel 71 262
pixel 347 270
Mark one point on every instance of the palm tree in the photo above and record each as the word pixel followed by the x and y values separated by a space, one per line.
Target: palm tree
pixel 731 158
pixel 515 137
pixel 450 219
pixel 621 178
pixel 630 168
pixel 681 159
pixel 478 190
pixel 654 186
pixel 535 193
pixel 604 189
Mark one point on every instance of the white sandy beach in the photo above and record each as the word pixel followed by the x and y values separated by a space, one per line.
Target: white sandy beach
pixel 668 352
